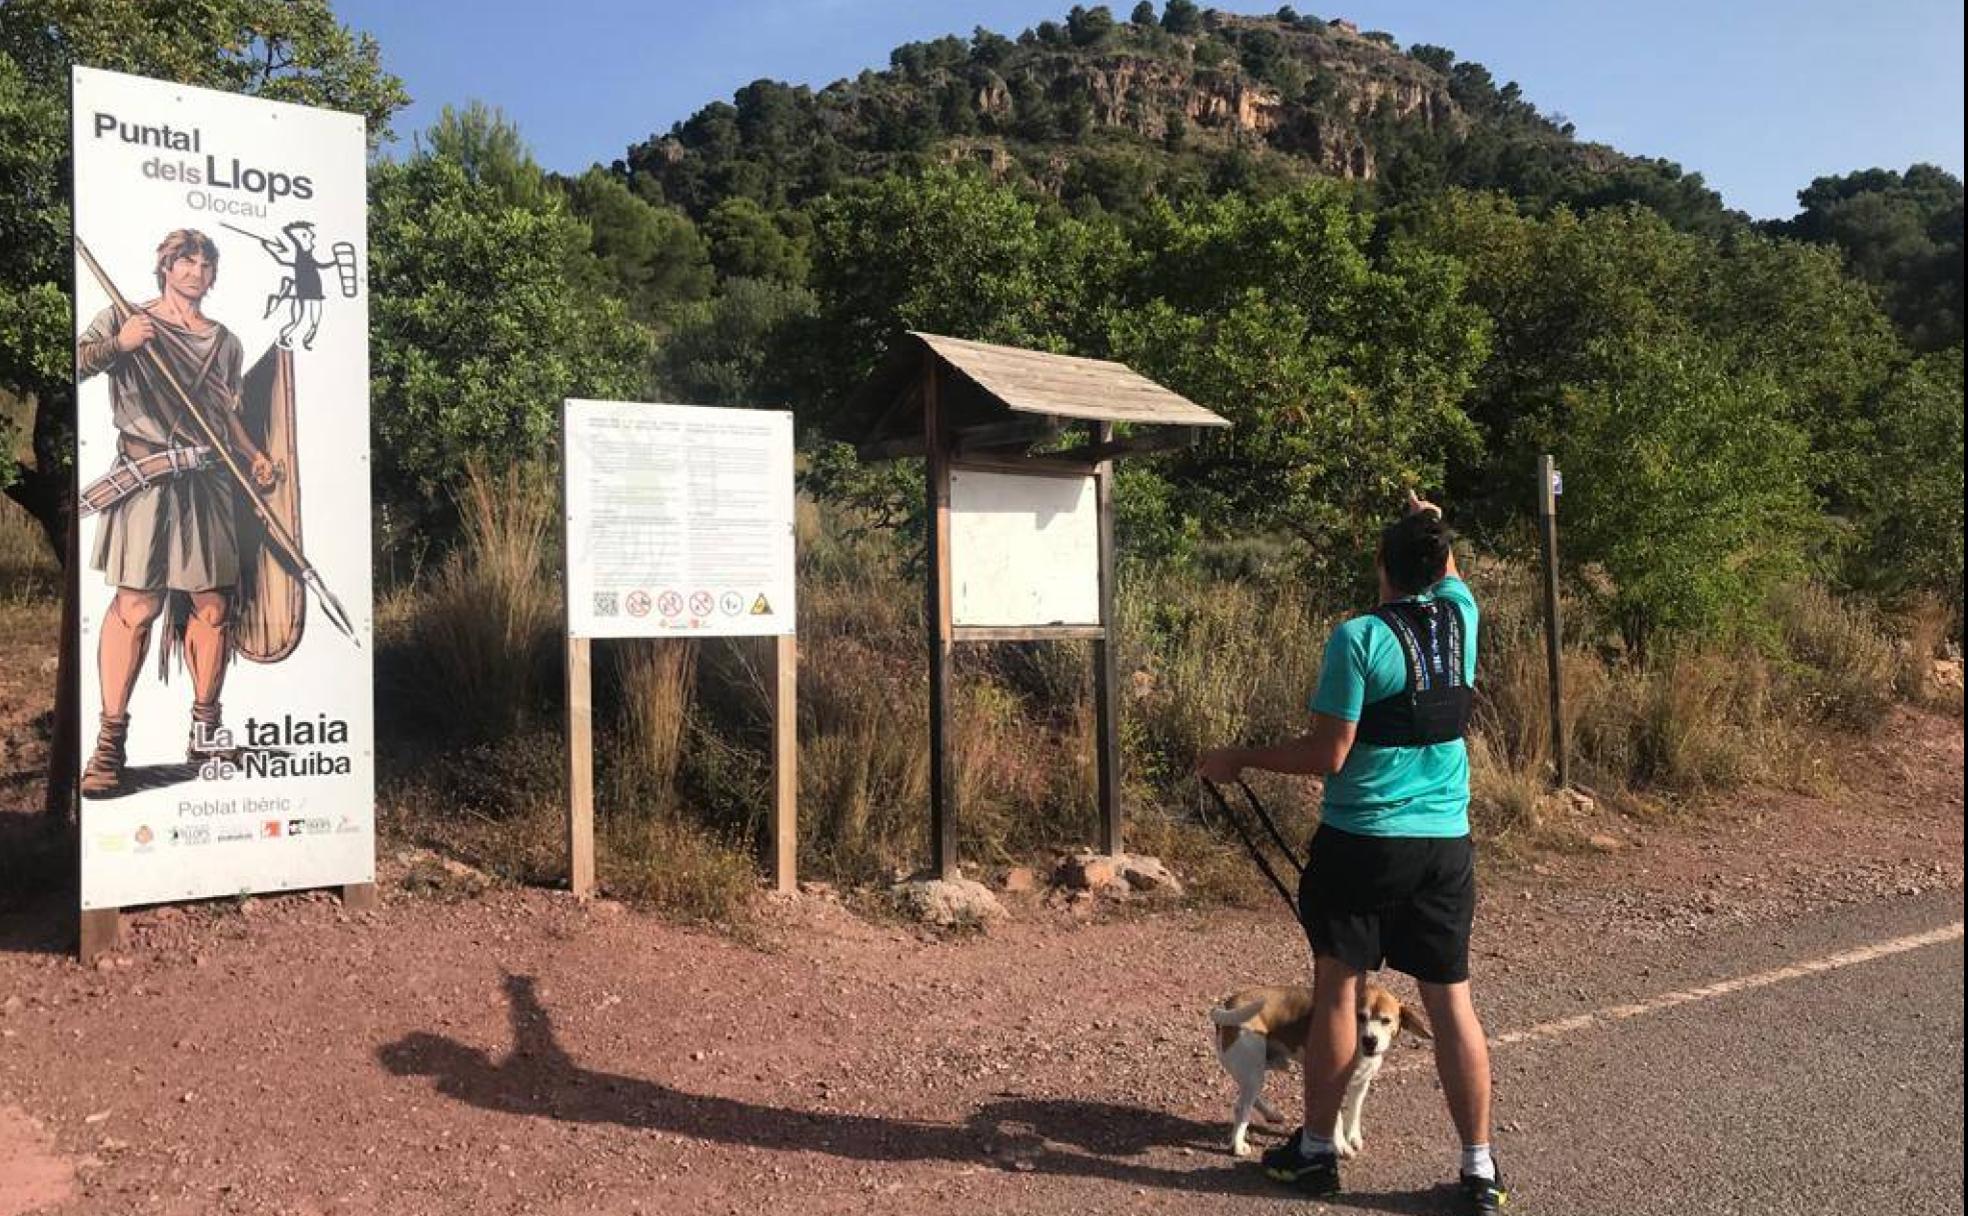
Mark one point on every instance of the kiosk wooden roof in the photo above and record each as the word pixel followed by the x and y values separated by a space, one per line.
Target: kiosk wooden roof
pixel 1004 397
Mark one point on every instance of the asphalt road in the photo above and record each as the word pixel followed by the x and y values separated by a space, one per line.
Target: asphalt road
pixel 1837 1091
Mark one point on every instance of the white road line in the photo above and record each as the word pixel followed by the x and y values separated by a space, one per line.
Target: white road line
pixel 1546 1031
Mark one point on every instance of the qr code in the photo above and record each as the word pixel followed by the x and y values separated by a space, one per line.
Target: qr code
pixel 606 603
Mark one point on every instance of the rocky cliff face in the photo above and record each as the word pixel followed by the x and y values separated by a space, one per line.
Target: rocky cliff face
pixel 1343 82
pixel 1312 91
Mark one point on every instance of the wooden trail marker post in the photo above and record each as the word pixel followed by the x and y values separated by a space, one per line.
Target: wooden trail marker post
pixel 1549 488
pixel 679 525
pixel 1020 542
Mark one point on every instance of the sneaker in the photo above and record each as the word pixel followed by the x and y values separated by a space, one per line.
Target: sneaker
pixel 1481 1196
pixel 1311 1174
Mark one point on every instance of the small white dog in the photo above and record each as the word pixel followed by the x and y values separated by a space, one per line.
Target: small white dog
pixel 1261 1030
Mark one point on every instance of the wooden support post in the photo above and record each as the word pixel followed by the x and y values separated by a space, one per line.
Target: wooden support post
pixel 943 807
pixel 1106 678
pixel 359 896
pixel 101 930
pixel 1554 638
pixel 65 750
pixel 580 770
pixel 785 764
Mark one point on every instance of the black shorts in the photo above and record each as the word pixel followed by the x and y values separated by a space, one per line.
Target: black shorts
pixel 1405 902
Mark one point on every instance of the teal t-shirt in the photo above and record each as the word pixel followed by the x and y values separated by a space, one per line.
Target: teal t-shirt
pixel 1393 791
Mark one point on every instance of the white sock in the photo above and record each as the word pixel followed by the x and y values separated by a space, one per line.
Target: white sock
pixel 1310 1145
pixel 1476 1162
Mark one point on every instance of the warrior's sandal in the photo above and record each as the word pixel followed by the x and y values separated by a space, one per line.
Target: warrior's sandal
pixel 104 772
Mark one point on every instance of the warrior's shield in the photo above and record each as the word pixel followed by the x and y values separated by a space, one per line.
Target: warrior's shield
pixel 345 267
pixel 272 600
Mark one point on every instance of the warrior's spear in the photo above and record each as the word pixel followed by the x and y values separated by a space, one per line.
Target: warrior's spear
pixel 275 530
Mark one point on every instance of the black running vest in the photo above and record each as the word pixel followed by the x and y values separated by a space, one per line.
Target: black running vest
pixel 1434 707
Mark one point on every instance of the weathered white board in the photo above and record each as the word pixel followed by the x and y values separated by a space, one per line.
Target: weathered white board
pixel 679 520
pixel 1024 549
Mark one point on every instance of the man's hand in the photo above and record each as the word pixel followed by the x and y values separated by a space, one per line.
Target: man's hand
pixel 264 471
pixel 1417 505
pixel 1221 765
pixel 135 331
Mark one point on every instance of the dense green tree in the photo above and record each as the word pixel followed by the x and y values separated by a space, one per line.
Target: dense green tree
pixel 654 257
pixel 1440 58
pixel 1144 14
pixel 734 350
pixel 293 50
pixel 1342 372
pixel 1611 323
pixel 946 252
pixel 1089 26
pixel 1553 288
pixel 1687 485
pixel 1788 311
pixel 487 145
pixel 1909 519
pixel 988 49
pixel 1902 233
pixel 483 324
pixel 1182 17
pixel 749 242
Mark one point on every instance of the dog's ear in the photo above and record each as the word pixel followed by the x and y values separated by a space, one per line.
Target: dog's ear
pixel 1412 1023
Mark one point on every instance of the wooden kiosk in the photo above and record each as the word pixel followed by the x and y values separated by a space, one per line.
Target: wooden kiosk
pixel 1021 542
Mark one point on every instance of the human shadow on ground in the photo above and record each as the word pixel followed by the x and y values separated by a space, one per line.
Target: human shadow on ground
pixel 1041 1136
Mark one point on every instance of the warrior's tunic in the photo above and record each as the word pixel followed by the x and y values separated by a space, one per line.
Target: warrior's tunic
pixel 179 532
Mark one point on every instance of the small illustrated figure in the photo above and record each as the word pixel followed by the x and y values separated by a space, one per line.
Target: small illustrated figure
pixel 302 290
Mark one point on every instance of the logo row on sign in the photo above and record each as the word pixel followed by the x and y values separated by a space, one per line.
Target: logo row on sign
pixel 671 605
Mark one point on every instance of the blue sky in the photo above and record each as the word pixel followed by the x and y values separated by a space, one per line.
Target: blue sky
pixel 1760 96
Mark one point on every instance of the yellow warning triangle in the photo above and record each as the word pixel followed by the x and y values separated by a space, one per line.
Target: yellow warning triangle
pixel 760 607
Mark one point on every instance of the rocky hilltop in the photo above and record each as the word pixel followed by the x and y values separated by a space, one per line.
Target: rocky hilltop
pixel 1118 111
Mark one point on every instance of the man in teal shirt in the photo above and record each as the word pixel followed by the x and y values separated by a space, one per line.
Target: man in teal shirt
pixel 1391 878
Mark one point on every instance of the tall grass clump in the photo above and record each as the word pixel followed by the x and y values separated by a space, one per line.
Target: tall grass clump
pixel 1846 664
pixel 656 680
pixel 1208 663
pixel 1928 627
pixel 467 650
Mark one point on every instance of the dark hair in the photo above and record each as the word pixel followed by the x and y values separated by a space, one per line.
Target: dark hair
pixel 1414 550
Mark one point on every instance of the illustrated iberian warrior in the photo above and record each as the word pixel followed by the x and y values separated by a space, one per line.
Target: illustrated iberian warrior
pixel 168 541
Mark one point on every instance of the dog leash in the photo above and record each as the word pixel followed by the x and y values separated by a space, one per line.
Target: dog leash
pixel 1250 839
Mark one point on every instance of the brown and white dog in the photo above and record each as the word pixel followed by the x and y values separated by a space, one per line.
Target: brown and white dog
pixel 1261 1030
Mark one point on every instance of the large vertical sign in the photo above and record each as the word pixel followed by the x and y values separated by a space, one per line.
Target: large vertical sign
pixel 679 524
pixel 679 520
pixel 222 450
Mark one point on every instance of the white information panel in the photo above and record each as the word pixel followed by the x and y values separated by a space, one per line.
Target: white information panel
pixel 1024 549
pixel 222 446
pixel 679 520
